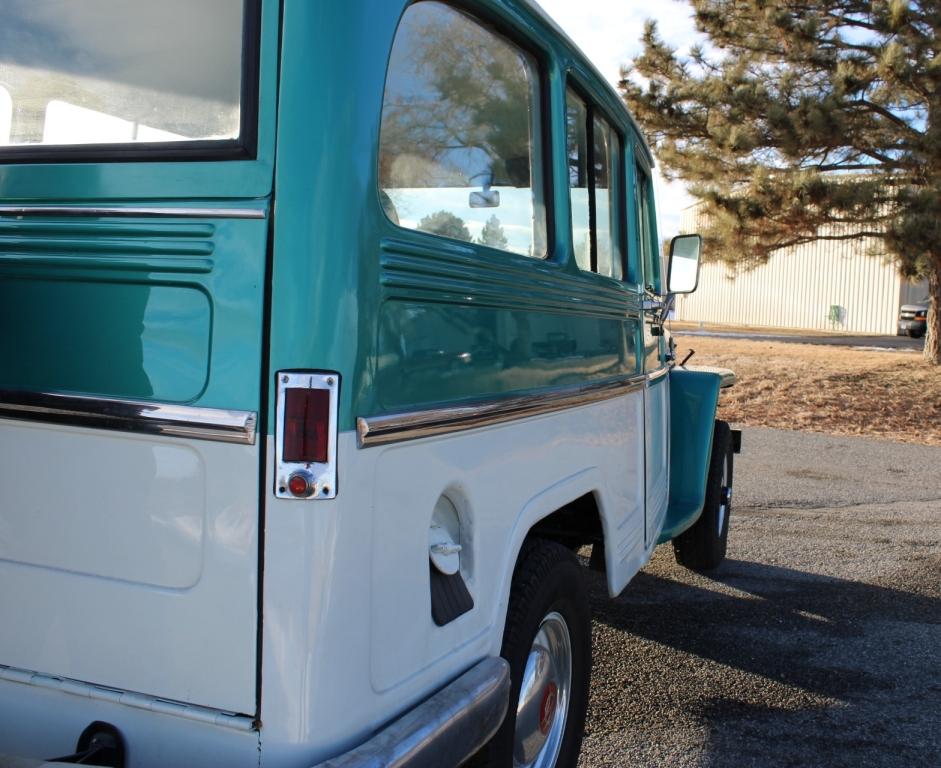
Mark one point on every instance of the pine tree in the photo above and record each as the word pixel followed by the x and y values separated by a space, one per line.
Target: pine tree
pixel 446 224
pixel 805 120
pixel 492 234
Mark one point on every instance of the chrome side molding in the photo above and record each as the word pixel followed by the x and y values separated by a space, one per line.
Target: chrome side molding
pixel 139 211
pixel 126 698
pixel 396 427
pixel 131 416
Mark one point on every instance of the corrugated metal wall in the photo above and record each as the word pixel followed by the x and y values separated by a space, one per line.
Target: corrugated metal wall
pixel 830 285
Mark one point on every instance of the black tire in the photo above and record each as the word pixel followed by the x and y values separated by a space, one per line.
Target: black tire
pixel 547 583
pixel 702 546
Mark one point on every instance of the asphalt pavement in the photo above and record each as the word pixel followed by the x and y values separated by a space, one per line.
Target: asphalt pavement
pixel 817 642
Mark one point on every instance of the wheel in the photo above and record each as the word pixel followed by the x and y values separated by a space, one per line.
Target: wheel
pixel 547 642
pixel 702 546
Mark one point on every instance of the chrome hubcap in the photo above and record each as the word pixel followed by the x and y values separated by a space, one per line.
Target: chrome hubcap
pixel 544 696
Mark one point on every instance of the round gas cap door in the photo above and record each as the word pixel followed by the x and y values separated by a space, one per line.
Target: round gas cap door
pixel 444 538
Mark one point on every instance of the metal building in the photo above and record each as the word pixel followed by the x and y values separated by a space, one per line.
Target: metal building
pixel 831 285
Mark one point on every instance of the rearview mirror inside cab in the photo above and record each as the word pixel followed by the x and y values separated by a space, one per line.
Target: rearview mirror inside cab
pixel 486 198
pixel 685 253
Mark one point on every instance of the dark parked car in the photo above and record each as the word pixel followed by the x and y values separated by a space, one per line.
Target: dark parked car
pixel 913 319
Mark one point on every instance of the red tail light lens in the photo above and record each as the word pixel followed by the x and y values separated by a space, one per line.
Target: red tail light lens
pixel 306 425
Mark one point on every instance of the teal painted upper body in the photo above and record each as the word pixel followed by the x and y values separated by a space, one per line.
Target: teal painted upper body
pixel 174 309
pixel 408 318
pixel 694 396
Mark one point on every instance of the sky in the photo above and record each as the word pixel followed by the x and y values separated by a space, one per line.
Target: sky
pixel 608 32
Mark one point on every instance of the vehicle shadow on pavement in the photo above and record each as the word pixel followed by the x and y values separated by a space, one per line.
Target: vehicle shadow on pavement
pixel 784 667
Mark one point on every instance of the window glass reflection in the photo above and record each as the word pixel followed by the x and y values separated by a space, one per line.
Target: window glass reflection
pixel 607 146
pixel 576 118
pixel 648 254
pixel 6 115
pixel 116 71
pixel 459 143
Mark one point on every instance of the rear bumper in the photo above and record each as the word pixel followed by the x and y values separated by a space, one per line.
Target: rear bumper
pixel 442 731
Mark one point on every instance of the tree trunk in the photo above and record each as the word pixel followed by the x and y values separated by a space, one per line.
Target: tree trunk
pixel 933 336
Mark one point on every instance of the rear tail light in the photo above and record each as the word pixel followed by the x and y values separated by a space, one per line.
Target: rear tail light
pixel 306 435
pixel 306 422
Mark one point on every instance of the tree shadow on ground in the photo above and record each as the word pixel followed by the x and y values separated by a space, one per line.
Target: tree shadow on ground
pixel 783 667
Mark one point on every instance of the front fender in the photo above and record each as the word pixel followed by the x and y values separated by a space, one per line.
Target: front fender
pixel 694 397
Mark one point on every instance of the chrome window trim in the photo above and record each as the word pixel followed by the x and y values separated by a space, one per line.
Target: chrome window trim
pixel 410 425
pixel 131 416
pixel 658 374
pixel 143 212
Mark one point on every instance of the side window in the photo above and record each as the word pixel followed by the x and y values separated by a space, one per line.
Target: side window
pixel 594 158
pixel 576 118
pixel 607 175
pixel 649 258
pixel 6 115
pixel 459 148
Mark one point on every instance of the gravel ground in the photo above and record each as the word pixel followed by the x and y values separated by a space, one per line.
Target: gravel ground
pixel 828 390
pixel 825 339
pixel 817 643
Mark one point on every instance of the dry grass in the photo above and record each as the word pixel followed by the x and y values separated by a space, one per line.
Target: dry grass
pixel 836 390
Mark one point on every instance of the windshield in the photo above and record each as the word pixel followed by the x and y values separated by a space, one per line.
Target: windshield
pixel 120 71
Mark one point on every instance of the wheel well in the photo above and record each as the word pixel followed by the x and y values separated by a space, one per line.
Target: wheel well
pixel 575 525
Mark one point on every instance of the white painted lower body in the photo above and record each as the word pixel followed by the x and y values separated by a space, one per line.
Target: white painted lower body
pixel 129 572
pixel 348 642
pixel 348 638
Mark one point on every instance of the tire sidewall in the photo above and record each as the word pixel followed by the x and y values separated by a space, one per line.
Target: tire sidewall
pixel 561 591
pixel 703 546
pixel 721 460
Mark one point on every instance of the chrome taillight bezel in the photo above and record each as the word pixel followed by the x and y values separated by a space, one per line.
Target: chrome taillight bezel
pixel 323 474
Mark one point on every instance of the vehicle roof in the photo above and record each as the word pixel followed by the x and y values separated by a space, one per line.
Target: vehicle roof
pixel 537 10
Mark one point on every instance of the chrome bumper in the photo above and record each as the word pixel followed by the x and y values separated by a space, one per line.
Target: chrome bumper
pixel 442 731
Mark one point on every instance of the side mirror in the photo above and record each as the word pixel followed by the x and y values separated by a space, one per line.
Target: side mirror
pixel 683 271
pixel 487 198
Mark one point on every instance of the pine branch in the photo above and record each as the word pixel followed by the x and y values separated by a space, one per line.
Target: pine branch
pixel 804 240
pixel 887 114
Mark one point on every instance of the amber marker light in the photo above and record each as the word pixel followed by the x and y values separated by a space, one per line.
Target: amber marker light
pixel 300 484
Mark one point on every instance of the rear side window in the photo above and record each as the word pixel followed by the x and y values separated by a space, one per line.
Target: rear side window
pixel 576 118
pixel 594 162
pixel 607 161
pixel 460 150
pixel 101 72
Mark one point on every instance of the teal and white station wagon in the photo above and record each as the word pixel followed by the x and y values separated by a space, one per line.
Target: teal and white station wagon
pixel 333 352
